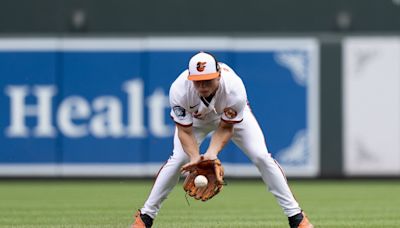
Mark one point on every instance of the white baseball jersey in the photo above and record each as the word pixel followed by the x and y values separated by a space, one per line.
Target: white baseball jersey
pixel 228 103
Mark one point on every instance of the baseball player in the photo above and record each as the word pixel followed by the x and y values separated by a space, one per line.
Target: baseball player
pixel 210 97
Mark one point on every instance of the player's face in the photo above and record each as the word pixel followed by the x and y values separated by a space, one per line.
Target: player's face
pixel 206 87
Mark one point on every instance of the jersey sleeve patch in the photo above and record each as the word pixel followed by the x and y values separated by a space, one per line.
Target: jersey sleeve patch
pixel 180 112
pixel 181 116
pixel 230 113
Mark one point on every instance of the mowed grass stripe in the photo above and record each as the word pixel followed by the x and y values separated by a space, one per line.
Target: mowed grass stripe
pixel 70 203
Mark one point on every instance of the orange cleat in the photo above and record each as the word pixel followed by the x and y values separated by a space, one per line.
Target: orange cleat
pixel 305 223
pixel 142 221
pixel 300 221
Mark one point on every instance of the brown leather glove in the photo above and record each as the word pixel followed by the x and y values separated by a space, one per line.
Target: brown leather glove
pixel 212 170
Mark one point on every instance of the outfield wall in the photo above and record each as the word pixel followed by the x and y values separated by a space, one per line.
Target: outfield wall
pixel 371 106
pixel 99 106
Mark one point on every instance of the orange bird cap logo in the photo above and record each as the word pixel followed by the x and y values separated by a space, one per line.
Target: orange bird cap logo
pixel 201 66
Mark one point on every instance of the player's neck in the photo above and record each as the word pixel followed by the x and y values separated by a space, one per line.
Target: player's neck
pixel 207 100
pixel 210 97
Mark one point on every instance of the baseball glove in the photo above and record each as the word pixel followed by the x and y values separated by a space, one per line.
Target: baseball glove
pixel 212 170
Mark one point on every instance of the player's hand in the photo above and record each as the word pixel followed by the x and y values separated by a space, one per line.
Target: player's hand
pixel 193 160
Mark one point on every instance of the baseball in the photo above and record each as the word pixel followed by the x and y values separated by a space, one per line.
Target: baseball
pixel 200 181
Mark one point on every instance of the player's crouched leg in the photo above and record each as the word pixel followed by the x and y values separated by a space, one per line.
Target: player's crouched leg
pixel 142 221
pixel 300 221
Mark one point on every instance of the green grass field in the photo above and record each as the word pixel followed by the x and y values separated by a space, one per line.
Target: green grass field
pixel 241 204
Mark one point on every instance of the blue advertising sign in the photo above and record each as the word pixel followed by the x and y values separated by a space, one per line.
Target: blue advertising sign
pixel 99 107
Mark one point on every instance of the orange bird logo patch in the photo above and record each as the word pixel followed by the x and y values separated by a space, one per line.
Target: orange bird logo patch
pixel 230 113
pixel 201 66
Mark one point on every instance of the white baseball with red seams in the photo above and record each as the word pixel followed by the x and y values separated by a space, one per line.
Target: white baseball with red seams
pixel 200 181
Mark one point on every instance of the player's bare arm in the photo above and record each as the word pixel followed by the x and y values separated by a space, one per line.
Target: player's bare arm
pixel 220 138
pixel 188 141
